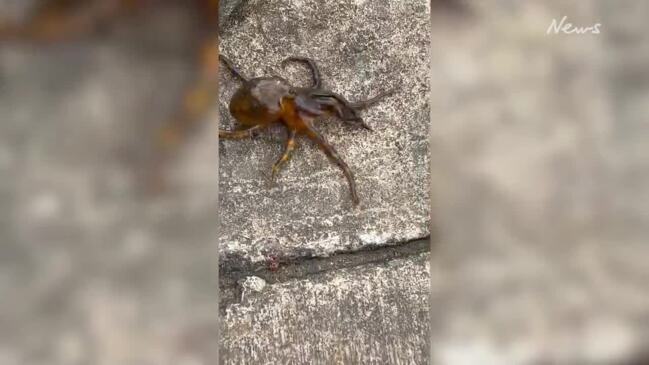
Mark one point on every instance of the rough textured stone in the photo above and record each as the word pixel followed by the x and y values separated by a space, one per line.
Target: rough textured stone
pixel 371 314
pixel 227 10
pixel 363 48
pixel 540 184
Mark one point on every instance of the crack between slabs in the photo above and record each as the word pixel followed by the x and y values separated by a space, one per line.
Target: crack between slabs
pixel 301 268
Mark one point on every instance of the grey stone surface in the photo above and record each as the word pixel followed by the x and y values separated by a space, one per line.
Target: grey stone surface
pixel 540 168
pixel 93 271
pixel 228 11
pixel 370 314
pixel 363 48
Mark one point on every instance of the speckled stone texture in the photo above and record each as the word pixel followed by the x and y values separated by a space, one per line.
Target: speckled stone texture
pixel 362 48
pixel 539 163
pixel 371 314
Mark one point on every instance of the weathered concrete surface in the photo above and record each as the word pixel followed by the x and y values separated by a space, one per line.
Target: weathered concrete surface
pixel 231 280
pixel 91 271
pixel 539 163
pixel 372 314
pixel 227 11
pixel 362 48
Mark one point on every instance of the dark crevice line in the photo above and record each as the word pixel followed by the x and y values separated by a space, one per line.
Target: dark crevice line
pixel 304 267
pixel 235 265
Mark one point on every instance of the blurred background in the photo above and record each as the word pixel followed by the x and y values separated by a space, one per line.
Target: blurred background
pixel 108 253
pixel 108 226
pixel 540 182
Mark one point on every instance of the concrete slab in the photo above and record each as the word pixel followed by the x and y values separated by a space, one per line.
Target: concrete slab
pixel 227 10
pixel 371 314
pixel 363 48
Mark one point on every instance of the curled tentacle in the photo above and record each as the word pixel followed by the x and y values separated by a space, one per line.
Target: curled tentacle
pixel 315 72
pixel 228 64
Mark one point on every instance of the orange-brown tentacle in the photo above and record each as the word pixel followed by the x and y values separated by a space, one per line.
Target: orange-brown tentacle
pixel 315 72
pixel 334 157
pixel 230 66
pixel 341 107
pixel 360 105
pixel 288 150
pixel 344 112
pixel 240 134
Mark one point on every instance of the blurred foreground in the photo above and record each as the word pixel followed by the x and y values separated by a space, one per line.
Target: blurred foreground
pixel 101 255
